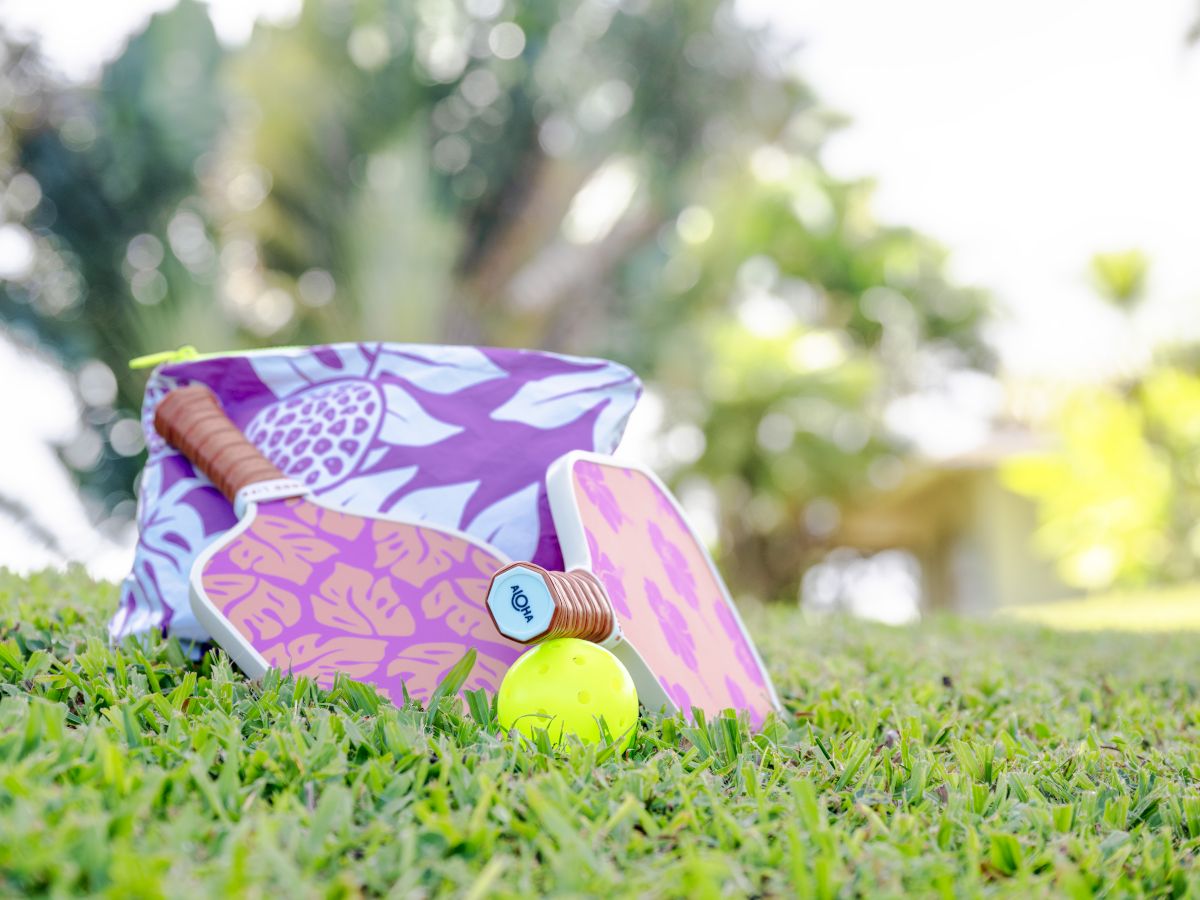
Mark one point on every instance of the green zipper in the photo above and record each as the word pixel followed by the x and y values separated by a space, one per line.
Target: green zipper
pixel 188 353
pixel 149 361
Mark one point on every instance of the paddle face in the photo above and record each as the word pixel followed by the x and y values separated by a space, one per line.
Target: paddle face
pixel 622 523
pixel 315 591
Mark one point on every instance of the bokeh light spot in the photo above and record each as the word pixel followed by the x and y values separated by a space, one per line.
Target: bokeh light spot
pixel 126 437
pixel 695 225
pixel 480 88
pixel 507 40
pixel 451 154
pixel 97 384
pixel 369 47
pixel 17 252
pixel 316 287
pixel 148 287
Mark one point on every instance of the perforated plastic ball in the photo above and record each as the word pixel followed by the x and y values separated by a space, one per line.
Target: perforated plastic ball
pixel 573 682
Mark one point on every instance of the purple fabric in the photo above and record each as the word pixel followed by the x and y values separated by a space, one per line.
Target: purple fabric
pixel 454 436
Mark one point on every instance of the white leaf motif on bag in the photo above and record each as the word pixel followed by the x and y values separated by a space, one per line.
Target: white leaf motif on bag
pixel 445 370
pixel 511 524
pixel 436 505
pixel 366 494
pixel 171 533
pixel 406 423
pixel 288 371
pixel 561 399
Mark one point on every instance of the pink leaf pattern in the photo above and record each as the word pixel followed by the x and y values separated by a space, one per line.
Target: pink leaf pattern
pixel 297 540
pixel 339 524
pixel 600 495
pixel 386 611
pixel 678 694
pixel 384 602
pixel 265 611
pixel 688 635
pixel 610 574
pixel 416 562
pixel 321 657
pixel 341 594
pixel 739 699
pixel 741 647
pixel 281 546
pixel 674 626
pixel 428 663
pixel 682 580
pixel 451 602
pixel 356 600
pixel 225 590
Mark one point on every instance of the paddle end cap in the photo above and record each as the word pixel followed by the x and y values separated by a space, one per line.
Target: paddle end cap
pixel 520 602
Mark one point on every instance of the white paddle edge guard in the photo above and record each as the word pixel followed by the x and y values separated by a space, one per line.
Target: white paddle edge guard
pixel 276 489
pixel 223 633
pixel 616 637
pixel 560 488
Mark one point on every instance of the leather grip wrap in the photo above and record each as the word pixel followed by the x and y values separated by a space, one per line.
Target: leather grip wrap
pixel 582 608
pixel 191 420
pixel 579 606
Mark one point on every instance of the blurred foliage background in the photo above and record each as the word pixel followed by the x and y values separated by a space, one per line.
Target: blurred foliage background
pixel 1119 495
pixel 639 180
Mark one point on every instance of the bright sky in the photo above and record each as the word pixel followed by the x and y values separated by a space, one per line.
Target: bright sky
pixel 80 35
pixel 1025 136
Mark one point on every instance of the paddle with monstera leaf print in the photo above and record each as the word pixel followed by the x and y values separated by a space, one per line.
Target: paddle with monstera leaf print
pixel 313 590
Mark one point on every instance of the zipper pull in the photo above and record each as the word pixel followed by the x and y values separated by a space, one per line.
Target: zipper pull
pixel 183 354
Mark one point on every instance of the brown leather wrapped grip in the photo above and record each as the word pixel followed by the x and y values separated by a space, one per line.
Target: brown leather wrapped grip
pixel 582 608
pixel 581 605
pixel 191 420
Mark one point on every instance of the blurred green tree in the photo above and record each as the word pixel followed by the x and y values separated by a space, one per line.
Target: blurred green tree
pixel 1119 497
pixel 108 176
pixel 638 179
pixel 1120 276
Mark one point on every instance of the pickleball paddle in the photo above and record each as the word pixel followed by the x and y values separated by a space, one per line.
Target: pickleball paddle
pixel 640 582
pixel 313 590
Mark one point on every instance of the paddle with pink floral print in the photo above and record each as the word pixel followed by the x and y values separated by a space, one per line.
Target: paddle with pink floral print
pixel 639 582
pixel 313 590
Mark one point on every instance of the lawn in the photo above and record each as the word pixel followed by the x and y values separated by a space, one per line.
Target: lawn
pixel 948 758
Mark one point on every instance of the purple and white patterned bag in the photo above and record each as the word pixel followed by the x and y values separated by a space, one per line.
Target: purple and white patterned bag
pixel 457 436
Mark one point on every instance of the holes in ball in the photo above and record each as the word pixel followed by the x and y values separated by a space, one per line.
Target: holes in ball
pixel 584 697
pixel 544 669
pixel 579 660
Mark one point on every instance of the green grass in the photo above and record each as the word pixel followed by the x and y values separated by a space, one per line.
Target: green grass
pixel 1158 609
pixel 951 758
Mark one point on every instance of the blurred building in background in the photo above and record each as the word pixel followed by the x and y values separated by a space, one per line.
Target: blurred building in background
pixel 968 531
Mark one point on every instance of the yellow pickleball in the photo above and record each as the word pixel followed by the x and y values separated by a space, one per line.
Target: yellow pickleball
pixel 564 686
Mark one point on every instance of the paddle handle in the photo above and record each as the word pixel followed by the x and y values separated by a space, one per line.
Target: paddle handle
pixel 529 604
pixel 191 420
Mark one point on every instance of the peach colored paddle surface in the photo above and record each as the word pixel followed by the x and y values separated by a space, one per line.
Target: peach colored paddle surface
pixel 316 591
pixel 682 638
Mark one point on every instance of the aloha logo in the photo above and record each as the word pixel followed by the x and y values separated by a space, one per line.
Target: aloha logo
pixel 520 602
